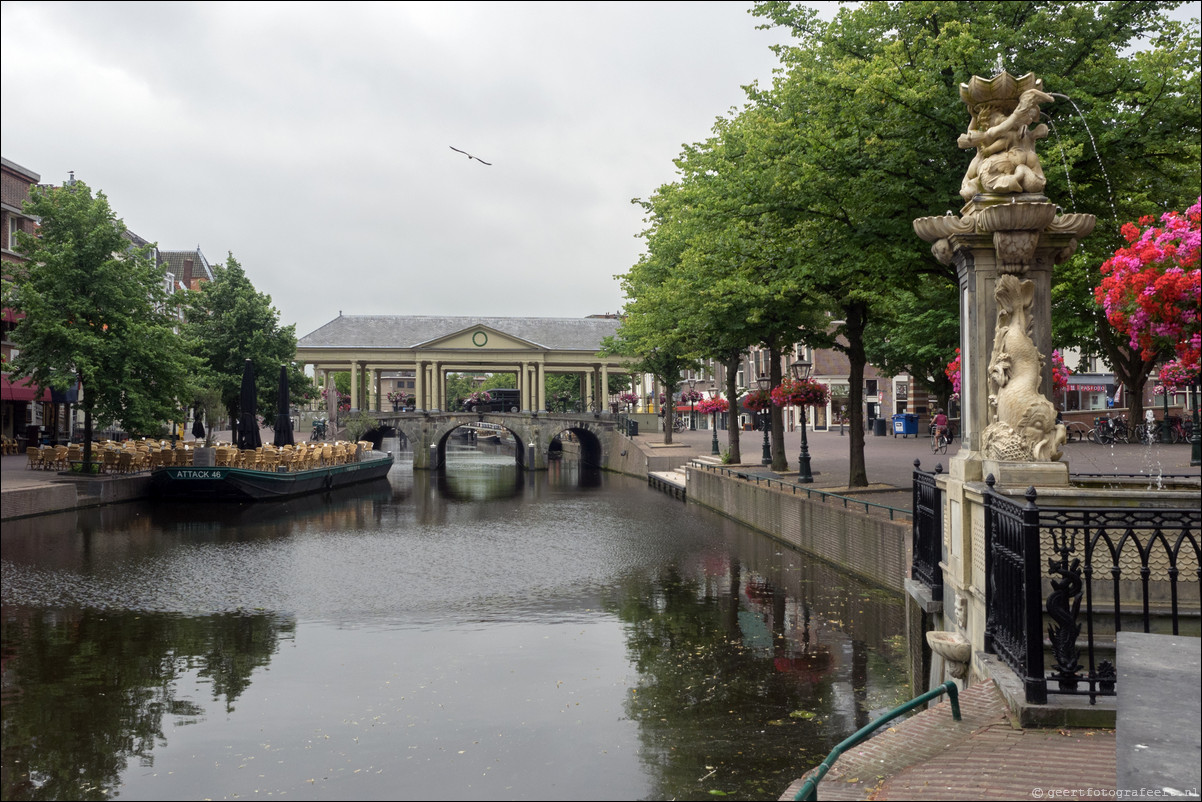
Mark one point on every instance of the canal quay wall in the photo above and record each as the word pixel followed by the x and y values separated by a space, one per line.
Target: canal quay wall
pixel 865 544
pixel 854 532
pixel 28 493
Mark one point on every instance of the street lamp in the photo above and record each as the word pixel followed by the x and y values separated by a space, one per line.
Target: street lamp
pixel 692 401
pixel 801 372
pixel 714 421
pixel 765 383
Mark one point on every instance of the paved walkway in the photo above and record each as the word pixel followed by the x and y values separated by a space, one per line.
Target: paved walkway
pixel 890 460
pixel 983 756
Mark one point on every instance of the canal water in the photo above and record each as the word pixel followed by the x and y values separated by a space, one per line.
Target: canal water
pixel 482 633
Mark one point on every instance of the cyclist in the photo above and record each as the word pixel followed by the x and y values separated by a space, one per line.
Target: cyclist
pixel 940 424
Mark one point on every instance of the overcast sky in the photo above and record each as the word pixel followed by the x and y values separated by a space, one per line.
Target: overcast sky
pixel 314 140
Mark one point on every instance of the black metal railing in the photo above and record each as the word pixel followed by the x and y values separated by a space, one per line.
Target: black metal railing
pixel 928 531
pixel 1142 551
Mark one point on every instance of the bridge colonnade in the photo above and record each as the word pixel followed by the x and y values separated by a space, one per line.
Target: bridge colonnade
pixel 432 347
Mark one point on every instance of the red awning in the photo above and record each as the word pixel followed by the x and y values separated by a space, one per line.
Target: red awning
pixel 21 390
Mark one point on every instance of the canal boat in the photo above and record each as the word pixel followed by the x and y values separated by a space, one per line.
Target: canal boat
pixel 229 483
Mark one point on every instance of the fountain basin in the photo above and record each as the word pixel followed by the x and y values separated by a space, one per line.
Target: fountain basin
pixel 951 646
pixel 933 229
pixel 1016 217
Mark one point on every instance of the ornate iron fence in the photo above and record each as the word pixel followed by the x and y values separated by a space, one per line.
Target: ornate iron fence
pixel 1141 551
pixel 927 541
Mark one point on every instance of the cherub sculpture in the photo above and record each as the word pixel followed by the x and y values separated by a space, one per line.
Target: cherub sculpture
pixel 1006 162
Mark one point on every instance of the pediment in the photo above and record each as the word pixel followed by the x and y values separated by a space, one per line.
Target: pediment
pixel 480 338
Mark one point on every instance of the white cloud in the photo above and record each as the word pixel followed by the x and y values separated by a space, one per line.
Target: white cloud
pixel 312 140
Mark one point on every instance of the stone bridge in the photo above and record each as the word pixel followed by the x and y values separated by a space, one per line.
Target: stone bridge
pixel 428 432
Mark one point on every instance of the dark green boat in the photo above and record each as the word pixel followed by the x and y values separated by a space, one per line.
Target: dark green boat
pixel 188 483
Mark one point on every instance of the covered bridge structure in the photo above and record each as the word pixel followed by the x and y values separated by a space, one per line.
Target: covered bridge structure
pixel 431 347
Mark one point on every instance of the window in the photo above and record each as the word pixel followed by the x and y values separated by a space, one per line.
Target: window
pixel 870 387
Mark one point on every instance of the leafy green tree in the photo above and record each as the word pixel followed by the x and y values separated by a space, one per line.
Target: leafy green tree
pixel 919 336
pixel 97 312
pixel 869 113
pixel 227 322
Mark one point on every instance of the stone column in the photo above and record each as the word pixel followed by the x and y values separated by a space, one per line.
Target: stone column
pixel 540 382
pixel 603 402
pixel 419 386
pixel 528 403
pixel 438 390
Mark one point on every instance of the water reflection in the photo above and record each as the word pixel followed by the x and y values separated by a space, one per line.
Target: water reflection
pixel 86 692
pixel 480 634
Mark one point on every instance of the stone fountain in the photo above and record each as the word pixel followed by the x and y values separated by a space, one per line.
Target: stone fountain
pixel 1004 244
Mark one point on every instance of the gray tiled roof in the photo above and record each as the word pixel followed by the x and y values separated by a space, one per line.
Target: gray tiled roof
pixel 403 331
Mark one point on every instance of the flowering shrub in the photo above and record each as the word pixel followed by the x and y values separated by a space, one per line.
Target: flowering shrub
pixel 952 371
pixel 800 392
pixel 1151 290
pixel 709 406
pixel 1060 371
pixel 1181 373
pixel 757 400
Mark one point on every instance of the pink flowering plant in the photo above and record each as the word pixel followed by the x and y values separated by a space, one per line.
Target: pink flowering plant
pixel 628 397
pixel 691 396
pixel 800 392
pixel 1060 371
pixel 710 406
pixel 757 400
pixel 1151 290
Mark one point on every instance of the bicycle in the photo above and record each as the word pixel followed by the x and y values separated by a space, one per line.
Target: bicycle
pixel 1180 429
pixel 1075 431
pixel 940 438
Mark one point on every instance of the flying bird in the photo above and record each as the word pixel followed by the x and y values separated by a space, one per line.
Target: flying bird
pixel 470 156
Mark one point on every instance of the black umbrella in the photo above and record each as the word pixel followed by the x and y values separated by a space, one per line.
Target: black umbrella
pixel 248 419
pixel 283 420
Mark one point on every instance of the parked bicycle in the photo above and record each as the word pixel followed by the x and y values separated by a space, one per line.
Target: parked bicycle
pixel 1109 429
pixel 1180 429
pixel 319 430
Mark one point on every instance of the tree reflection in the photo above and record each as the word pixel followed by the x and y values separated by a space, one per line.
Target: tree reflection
pixel 86 692
pixel 709 678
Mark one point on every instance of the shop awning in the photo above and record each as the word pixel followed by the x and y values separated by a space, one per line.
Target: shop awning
pixel 21 390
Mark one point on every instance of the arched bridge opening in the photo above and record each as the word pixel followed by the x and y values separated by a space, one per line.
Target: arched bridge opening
pixel 532 435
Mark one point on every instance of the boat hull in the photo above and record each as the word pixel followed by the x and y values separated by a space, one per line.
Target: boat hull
pixel 187 483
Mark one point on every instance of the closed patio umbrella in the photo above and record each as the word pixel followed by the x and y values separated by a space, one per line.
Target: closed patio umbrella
pixel 198 428
pixel 248 419
pixel 283 421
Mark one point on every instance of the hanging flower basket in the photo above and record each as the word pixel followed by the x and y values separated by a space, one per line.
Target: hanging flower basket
pixel 709 406
pixel 757 400
pixel 691 396
pixel 800 392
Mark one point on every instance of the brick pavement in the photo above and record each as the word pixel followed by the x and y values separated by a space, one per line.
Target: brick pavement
pixel 984 756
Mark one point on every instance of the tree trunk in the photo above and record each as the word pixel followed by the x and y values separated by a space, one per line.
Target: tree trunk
pixel 669 408
pixel 732 415
pixel 1131 370
pixel 857 475
pixel 780 460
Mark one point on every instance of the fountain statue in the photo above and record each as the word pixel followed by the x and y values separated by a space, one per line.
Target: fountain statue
pixel 992 538
pixel 1004 244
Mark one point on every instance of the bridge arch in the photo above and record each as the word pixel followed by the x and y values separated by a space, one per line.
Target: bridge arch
pixel 428 432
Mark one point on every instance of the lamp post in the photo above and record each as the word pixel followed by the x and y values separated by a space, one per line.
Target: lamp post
pixel 692 401
pixel 801 372
pixel 765 383
pixel 714 422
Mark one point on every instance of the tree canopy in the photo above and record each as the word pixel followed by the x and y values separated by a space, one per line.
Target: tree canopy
pixel 227 322
pixel 97 312
pixel 803 201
